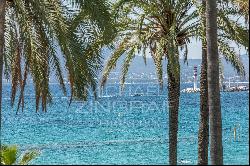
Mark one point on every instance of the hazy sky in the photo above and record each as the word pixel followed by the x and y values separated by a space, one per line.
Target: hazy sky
pixel 194 49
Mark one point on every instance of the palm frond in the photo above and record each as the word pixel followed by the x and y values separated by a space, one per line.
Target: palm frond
pixel 34 32
pixel 111 63
pixel 28 156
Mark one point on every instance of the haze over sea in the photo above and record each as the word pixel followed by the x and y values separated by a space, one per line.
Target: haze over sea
pixel 115 129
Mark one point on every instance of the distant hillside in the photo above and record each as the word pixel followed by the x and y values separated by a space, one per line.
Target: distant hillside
pixel 138 66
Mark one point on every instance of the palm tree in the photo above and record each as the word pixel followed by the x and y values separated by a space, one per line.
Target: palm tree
pixel 163 28
pixel 203 133
pixel 229 31
pixel 216 148
pixel 9 155
pixel 32 32
pixel 135 37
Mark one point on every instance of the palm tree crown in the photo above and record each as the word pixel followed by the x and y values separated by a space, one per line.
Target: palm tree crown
pixel 161 29
pixel 34 30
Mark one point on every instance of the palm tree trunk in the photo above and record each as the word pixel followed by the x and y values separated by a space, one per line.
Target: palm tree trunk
pixel 216 149
pixel 173 99
pixel 2 21
pixel 203 136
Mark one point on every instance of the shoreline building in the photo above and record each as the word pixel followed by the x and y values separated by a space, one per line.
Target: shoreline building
pixel 195 87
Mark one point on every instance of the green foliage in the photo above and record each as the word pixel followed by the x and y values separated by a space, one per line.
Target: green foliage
pixel 34 32
pixel 9 156
pixel 34 29
pixel 157 28
pixel 28 156
pixel 229 31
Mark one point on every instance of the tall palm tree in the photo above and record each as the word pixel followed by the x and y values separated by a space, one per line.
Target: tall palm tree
pixel 230 31
pixel 163 28
pixel 203 133
pixel 216 148
pixel 138 36
pixel 135 36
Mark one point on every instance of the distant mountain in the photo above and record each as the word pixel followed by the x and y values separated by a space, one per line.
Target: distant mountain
pixel 138 66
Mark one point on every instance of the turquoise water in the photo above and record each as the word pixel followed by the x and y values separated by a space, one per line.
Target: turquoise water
pixel 121 129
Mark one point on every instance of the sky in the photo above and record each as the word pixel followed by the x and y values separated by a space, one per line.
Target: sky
pixel 194 49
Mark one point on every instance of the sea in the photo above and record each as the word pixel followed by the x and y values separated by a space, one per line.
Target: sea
pixel 120 127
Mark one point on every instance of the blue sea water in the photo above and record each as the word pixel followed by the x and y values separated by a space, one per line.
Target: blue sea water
pixel 121 128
